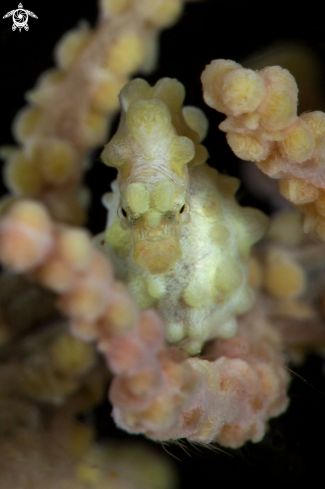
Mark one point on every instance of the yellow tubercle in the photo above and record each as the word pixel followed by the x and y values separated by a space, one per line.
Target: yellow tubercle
pixel 228 275
pixel 74 246
pixel 141 293
pixel 46 87
pixel 280 107
pixel 23 176
pixel 105 96
pixel 243 91
pixel 71 46
pixel 25 123
pixel 95 128
pixel 119 239
pixel 163 195
pixel 198 297
pixel 126 55
pixel 71 356
pixel 297 191
pixel 213 78
pixel 138 198
pixel 57 161
pixel 283 277
pixel 180 151
pixel 299 145
pixel 248 147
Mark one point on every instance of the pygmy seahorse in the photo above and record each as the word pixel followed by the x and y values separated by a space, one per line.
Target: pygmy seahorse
pixel 175 232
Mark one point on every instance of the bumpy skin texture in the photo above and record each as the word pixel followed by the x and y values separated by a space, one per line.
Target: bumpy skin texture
pixel 189 262
pixel 262 126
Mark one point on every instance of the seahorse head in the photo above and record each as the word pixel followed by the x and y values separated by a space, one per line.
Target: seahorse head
pixel 152 150
pixel 154 212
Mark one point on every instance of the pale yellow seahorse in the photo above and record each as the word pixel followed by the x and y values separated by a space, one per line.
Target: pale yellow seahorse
pixel 175 232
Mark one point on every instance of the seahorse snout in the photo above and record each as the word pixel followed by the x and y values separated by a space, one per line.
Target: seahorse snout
pixel 157 256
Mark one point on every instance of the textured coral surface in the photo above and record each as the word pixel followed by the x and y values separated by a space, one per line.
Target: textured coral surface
pixel 231 390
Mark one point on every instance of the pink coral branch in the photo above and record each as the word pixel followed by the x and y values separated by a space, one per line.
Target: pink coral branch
pixel 262 126
pixel 157 390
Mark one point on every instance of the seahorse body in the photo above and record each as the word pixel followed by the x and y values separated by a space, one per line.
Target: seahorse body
pixel 175 232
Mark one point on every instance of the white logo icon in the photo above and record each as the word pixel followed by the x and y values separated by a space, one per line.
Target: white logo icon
pixel 20 18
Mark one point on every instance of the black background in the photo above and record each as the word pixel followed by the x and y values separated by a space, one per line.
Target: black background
pixel 293 450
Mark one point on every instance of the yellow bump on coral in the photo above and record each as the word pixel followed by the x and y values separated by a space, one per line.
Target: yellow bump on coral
pixel 279 109
pixel 22 175
pixel 213 78
pixel 31 214
pixel 299 144
pixel 297 191
pixel 105 96
pixel 248 147
pixel 316 121
pixel 74 246
pixel 126 55
pixel 26 236
pixel 25 123
pixel 71 46
pixel 95 128
pixel 243 91
pixel 57 160
pixel 283 277
pixel 46 88
pixel 70 356
pixel 56 275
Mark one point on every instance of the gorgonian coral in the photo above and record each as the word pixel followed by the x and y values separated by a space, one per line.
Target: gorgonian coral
pixel 179 277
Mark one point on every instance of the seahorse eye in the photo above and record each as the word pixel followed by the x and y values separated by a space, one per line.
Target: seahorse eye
pixel 182 209
pixel 122 213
